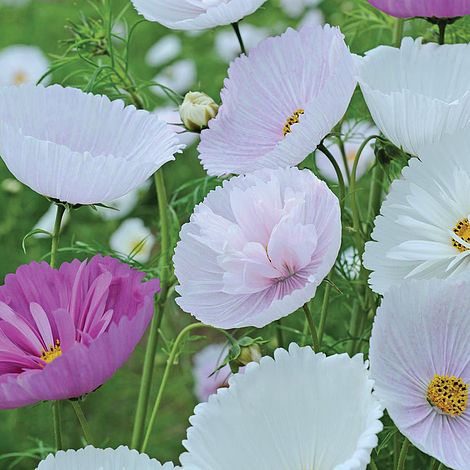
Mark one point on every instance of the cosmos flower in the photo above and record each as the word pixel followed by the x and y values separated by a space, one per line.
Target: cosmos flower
pixel 295 8
pixel 179 77
pixel 164 50
pixel 423 230
pixel 196 14
pixel 257 247
pixel 65 332
pixel 206 376
pixel 314 17
pixel 69 145
pixel 22 64
pixel 299 410
pixel 353 135
pixel 227 45
pixel 417 93
pixel 279 102
pixel 423 8
pixel 419 359
pixel 91 458
pixel 133 239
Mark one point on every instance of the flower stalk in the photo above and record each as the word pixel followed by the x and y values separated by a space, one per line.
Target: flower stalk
pixel 83 422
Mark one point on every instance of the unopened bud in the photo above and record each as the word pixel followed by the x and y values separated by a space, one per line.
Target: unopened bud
pixel 12 186
pixel 197 110
pixel 250 354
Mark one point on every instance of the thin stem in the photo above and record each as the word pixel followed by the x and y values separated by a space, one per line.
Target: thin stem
pixel 56 234
pixel 373 465
pixel 436 465
pixel 312 327
pixel 403 454
pixel 324 310
pixel 375 195
pixel 442 31
pixel 339 173
pixel 236 28
pixel 279 334
pixel 398 32
pixel 169 364
pixel 83 421
pixel 56 405
pixel 160 300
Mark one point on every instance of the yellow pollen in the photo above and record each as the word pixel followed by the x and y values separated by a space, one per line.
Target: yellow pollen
pixel 462 229
pixel 294 119
pixel 19 78
pixel 52 353
pixel 449 394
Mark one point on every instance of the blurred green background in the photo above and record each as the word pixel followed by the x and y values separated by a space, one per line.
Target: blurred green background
pixel 25 434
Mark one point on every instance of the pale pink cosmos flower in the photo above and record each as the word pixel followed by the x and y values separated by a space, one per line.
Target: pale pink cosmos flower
pixel 279 102
pixel 257 247
pixel 64 332
pixel 423 8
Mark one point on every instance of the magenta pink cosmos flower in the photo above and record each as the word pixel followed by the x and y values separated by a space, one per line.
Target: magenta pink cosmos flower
pixel 420 361
pixel 256 248
pixel 279 102
pixel 64 332
pixel 423 8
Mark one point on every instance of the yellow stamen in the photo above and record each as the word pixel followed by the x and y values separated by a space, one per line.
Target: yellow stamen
pixel 52 353
pixel 19 78
pixel 449 394
pixel 294 119
pixel 462 229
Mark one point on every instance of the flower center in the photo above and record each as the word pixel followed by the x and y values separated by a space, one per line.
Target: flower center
pixel 462 229
pixel 19 78
pixel 449 394
pixel 52 353
pixel 294 119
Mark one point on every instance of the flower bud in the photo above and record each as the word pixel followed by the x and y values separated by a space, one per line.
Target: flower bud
pixel 197 110
pixel 250 354
pixel 12 186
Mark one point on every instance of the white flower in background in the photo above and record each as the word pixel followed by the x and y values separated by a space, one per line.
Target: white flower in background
pixel 417 93
pixel 313 17
pixel 172 117
pixel 294 8
pixel 179 77
pixel 46 222
pixel 91 458
pixel 353 135
pixel 12 186
pixel 77 147
pixel 133 239
pixel 14 3
pixel 350 262
pixel 124 205
pixel 227 45
pixel 196 14
pixel 22 64
pixel 197 110
pixel 163 51
pixel 207 379
pixel 119 30
pixel 423 230
pixel 300 410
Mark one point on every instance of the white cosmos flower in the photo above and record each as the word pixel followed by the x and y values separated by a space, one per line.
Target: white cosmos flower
pixel 133 239
pixel 424 228
pixel 300 410
pixel 196 14
pixel 172 117
pixel 164 50
pixel 313 17
pixel 417 93
pixel 46 222
pixel 178 76
pixel 79 148
pixel 294 8
pixel 22 64
pixel 227 45
pixel 353 134
pixel 91 458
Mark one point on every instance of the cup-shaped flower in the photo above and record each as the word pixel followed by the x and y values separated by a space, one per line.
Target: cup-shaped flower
pixel 257 247
pixel 419 359
pixel 197 110
pixel 91 458
pixel 423 230
pixel 299 410
pixel 423 8
pixel 417 93
pixel 63 333
pixel 193 15
pixel 280 101
pixel 79 148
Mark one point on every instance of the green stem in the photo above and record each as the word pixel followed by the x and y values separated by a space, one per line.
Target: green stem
pixel 398 32
pixel 83 421
pixel 403 454
pixel 324 310
pixel 442 25
pixel 375 196
pixel 160 300
pixel 279 334
pixel 373 465
pixel 313 329
pixel 56 405
pixel 339 173
pixel 56 234
pixel 169 364
pixel 236 28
